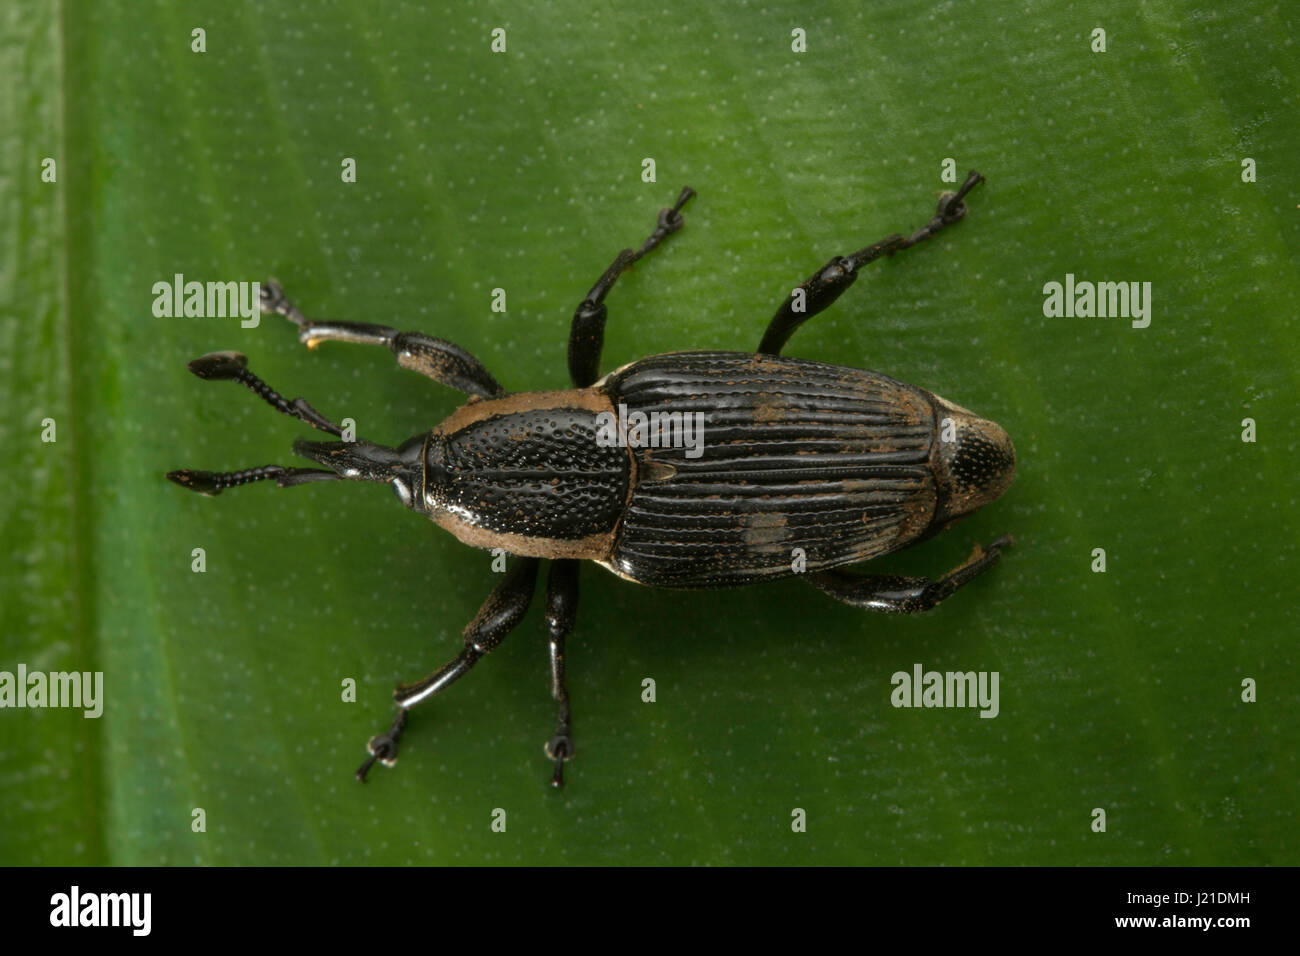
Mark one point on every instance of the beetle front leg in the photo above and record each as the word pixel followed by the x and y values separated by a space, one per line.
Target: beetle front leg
pixel 897 594
pixel 437 359
pixel 587 334
pixel 828 283
pixel 561 610
pixel 501 612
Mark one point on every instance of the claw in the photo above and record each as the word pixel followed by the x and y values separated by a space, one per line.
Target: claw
pixel 274 302
pixel 951 205
pixel 670 220
pixel 559 748
pixel 383 747
pixel 272 296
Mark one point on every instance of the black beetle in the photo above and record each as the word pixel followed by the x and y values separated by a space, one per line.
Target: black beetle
pixel 684 470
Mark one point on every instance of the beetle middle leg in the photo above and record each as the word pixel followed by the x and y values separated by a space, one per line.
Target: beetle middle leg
pixel 561 610
pixel 899 594
pixel 438 359
pixel 587 334
pixel 500 614
pixel 828 283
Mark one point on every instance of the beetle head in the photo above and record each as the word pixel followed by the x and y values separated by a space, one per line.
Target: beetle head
pixel 362 460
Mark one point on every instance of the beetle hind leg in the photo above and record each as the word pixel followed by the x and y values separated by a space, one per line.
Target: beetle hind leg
pixel 828 283
pixel 899 594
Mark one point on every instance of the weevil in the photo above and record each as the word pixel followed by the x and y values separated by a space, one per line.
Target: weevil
pixel 796 467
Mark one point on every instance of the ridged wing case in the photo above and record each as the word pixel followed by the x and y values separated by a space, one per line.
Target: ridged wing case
pixel 830 460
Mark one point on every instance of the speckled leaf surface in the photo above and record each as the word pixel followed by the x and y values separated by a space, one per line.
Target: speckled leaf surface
pixel 522 171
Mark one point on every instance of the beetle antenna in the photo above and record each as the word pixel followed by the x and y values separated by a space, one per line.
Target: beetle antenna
pixel 213 483
pixel 233 366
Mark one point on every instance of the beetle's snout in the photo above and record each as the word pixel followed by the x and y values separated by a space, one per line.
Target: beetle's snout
pixel 975 462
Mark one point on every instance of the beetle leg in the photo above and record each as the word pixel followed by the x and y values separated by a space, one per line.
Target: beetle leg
pixel 500 613
pixel 828 283
pixel 561 609
pixel 897 594
pixel 383 747
pixel 587 334
pixel 437 359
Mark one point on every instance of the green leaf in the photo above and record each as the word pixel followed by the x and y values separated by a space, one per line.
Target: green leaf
pixel 522 170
